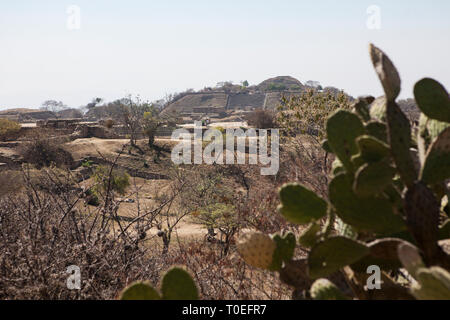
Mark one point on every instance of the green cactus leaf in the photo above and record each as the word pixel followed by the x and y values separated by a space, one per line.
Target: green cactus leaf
pixel 177 284
pixel 432 99
pixel 295 273
pixel 372 149
pixel 387 73
pixel 364 214
pixel 333 254
pixel 433 284
pixel 399 136
pixel 310 236
pixel 284 251
pixel 386 248
pixel 377 129
pixel 301 205
pixel 324 289
pixel 343 127
pixel 429 130
pixel 422 217
pixel 444 231
pixel 383 253
pixel 373 178
pixel 437 163
pixel 140 291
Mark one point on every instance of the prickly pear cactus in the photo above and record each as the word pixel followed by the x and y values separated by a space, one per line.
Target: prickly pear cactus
pixel 257 249
pixel 140 291
pixel 385 205
pixel 177 284
pixel 262 251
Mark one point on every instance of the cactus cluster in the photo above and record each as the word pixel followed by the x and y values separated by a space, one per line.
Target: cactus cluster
pixel 387 205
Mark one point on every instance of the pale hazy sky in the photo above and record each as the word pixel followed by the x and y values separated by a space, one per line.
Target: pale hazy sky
pixel 156 47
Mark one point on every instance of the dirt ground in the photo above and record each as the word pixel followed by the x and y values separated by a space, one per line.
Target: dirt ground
pixel 91 147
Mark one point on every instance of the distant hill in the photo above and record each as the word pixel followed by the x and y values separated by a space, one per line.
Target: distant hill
pixel 24 114
pixel 284 83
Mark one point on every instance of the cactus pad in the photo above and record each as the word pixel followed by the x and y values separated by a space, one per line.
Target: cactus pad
pixel 324 289
pixel 387 73
pixel 377 129
pixel 310 236
pixel 257 249
pixel 432 99
pixel 140 291
pixel 300 205
pixel 399 137
pixel 284 251
pixel 373 178
pixel 177 284
pixel 372 149
pixel 364 214
pixel 343 127
pixel 333 254
pixel 437 163
pixel 422 216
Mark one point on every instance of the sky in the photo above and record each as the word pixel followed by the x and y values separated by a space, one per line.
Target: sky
pixel 113 48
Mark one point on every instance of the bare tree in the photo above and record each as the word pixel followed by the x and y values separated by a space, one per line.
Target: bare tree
pixel 53 106
pixel 133 110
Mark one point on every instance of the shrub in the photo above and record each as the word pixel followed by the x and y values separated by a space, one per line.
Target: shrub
pixel 42 152
pixel 276 87
pixel 43 232
pixel 262 119
pixel 307 113
pixel 111 180
pixel 8 128
pixel 109 123
pixel 11 182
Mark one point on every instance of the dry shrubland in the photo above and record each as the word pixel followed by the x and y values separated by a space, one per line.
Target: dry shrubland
pixel 47 223
pixel 43 232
